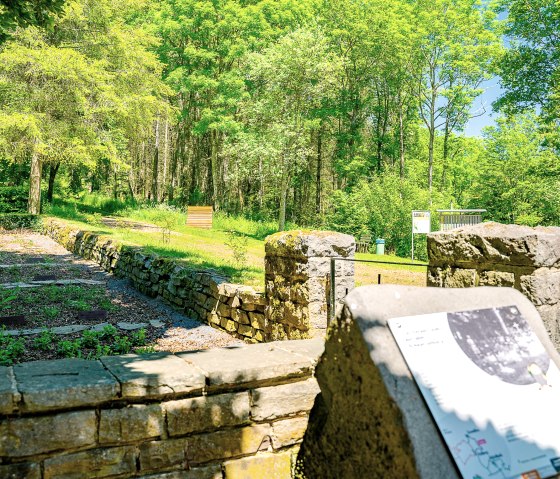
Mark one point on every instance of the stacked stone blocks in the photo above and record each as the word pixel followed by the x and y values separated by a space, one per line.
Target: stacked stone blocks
pixel 492 254
pixel 160 415
pixel 201 294
pixel 297 274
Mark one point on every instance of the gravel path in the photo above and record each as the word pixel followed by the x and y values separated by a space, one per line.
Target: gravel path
pixel 26 255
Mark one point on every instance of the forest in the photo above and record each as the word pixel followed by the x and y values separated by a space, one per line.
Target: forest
pixel 340 114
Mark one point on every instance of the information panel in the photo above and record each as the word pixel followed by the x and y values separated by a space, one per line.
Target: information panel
pixel 421 222
pixel 491 387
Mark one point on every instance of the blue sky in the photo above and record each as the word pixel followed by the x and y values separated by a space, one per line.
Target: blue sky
pixel 492 91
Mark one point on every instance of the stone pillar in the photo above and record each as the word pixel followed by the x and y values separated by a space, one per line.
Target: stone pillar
pixel 493 254
pixel 297 272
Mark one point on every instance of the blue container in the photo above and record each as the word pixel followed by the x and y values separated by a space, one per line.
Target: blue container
pixel 379 246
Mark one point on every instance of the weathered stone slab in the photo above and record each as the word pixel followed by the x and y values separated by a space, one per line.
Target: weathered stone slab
pixel 132 423
pixel 310 348
pixel 388 431
pixel 64 383
pixel 305 244
pixel 131 326
pixel 542 286
pixel 228 443
pixel 95 463
pixel 27 470
pixel 261 363
pixel 161 455
pixel 288 432
pixel 269 465
pixel 9 395
pixel 286 400
pixel 206 413
pixel 495 243
pixel 37 435
pixel 213 471
pixel 154 375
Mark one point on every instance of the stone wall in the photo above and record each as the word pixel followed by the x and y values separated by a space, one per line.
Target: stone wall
pixel 222 413
pixel 492 254
pixel 297 273
pixel 201 294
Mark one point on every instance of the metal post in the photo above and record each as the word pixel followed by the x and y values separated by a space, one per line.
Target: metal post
pixel 332 298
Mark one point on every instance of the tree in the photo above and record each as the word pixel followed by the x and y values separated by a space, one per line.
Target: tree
pixel 291 80
pixel 24 13
pixel 458 49
pixel 519 177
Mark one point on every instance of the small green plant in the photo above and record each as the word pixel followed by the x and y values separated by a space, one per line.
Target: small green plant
pixel 90 339
pixel 109 332
pixel 7 296
pixel 145 350
pixel 138 338
pixel 10 349
pixel 51 312
pixel 45 341
pixel 70 349
pixel 238 242
pixel 121 345
pixel 102 350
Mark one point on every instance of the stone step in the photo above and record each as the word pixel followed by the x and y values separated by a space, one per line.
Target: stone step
pixel 57 282
pixel 76 328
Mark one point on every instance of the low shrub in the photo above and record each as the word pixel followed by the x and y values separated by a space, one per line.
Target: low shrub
pixel 13 221
pixel 13 199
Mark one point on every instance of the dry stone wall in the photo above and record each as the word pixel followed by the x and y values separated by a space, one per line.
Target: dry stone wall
pixel 493 254
pixel 217 414
pixel 201 294
pixel 297 273
pixel 294 306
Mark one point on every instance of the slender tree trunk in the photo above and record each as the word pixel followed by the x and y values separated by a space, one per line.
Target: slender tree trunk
pixel 53 170
pixel 319 171
pixel 215 170
pixel 155 165
pixel 283 201
pixel 165 163
pixel 401 141
pixel 445 153
pixel 34 205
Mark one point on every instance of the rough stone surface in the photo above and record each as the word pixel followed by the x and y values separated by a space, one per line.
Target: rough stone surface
pixel 261 363
pixel 213 471
pixel 153 375
pixel 131 423
pixel 36 435
pixel 19 471
pixel 305 244
pixel 131 326
pixel 96 463
pixel 496 243
pixel 9 395
pixel 207 412
pixel 493 254
pixel 264 465
pixel 279 401
pixel 288 432
pixel 388 431
pixel 64 383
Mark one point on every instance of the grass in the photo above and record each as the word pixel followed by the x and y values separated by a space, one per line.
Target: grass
pixel 209 248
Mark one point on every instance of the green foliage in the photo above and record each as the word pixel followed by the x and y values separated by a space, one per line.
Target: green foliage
pixel 23 13
pixel 70 349
pixel 10 349
pixel 121 345
pixel 13 199
pixel 45 341
pixel 12 221
pixel 238 244
pixel 90 339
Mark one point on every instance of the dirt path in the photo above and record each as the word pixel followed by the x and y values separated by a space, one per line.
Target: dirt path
pixel 33 258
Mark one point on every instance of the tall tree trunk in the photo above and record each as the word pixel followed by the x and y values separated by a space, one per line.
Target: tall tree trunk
pixel 155 165
pixel 34 205
pixel 53 170
pixel 446 135
pixel 401 138
pixel 319 170
pixel 164 189
pixel 215 169
pixel 283 201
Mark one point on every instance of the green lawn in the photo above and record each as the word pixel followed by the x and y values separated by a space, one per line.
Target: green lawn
pixel 210 249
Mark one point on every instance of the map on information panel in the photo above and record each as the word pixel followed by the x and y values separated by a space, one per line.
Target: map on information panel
pixel 491 387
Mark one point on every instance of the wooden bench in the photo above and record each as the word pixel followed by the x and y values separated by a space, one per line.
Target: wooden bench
pixel 362 245
pixel 199 216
